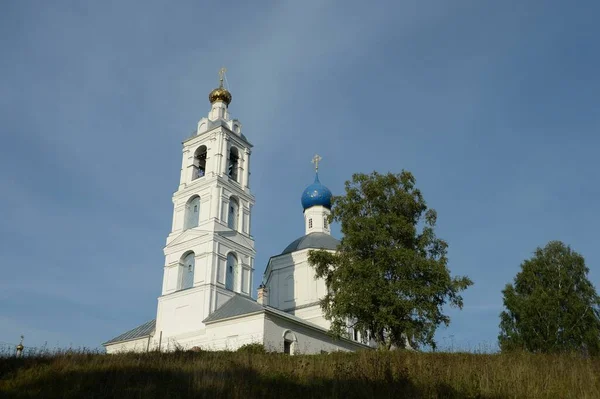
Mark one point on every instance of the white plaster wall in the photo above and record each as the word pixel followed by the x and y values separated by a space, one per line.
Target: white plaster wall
pixel 231 334
pixel 219 111
pixel 202 187
pixel 182 311
pixel 317 214
pixel 313 314
pixel 201 244
pixel 308 340
pixel 210 251
pixel 223 335
pixel 180 314
pixel 306 290
pixel 135 345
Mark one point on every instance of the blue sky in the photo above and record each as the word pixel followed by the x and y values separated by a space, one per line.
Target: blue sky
pixel 491 105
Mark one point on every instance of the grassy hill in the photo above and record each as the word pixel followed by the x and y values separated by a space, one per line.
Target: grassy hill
pixel 339 375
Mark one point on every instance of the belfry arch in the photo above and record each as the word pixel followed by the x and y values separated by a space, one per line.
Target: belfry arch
pixel 192 213
pixel 231 271
pixel 233 213
pixel 187 266
pixel 199 163
pixel 234 164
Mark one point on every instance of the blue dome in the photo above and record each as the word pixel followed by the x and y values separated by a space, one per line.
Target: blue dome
pixel 316 194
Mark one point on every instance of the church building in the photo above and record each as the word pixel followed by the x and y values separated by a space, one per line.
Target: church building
pixel 208 274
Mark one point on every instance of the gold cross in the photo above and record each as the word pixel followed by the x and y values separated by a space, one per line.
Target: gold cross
pixel 221 75
pixel 316 160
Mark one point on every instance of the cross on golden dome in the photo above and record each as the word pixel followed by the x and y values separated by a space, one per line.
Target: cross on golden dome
pixel 221 75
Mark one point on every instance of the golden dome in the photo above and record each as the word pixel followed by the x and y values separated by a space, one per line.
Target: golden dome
pixel 220 94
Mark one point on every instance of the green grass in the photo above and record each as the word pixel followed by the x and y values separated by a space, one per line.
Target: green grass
pixel 255 375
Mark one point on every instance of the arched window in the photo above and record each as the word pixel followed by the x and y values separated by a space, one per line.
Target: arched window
pixel 231 271
pixel 187 271
pixel 289 342
pixel 234 157
pixel 192 213
pixel 234 209
pixel 199 162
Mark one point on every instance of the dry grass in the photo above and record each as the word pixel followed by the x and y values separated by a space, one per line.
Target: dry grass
pixel 247 375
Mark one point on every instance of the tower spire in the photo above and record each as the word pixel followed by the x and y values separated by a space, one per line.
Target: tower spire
pixel 20 347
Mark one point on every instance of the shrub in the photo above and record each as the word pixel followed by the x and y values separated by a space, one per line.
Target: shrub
pixel 254 348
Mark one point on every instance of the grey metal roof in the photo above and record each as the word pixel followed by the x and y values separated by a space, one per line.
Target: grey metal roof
pixel 144 330
pixel 312 240
pixel 238 305
pixel 286 315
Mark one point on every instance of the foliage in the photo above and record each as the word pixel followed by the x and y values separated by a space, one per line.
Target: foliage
pixel 389 276
pixel 254 348
pixel 372 374
pixel 552 306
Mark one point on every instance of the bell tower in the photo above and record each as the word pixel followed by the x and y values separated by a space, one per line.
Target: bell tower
pixel 209 253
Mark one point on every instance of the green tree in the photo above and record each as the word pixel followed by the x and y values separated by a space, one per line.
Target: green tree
pixel 552 306
pixel 389 275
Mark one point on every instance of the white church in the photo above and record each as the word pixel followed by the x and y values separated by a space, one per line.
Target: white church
pixel 208 275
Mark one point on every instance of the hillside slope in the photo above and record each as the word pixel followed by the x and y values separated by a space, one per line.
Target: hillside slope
pixel 248 375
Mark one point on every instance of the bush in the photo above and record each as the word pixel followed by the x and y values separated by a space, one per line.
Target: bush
pixel 196 349
pixel 254 348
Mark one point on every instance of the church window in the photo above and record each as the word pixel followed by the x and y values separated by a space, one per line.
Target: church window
pixel 355 334
pixel 192 213
pixel 287 347
pixel 310 223
pixel 199 165
pixel 231 271
pixel 288 288
pixel 289 342
pixel 232 218
pixel 232 170
pixel 244 287
pixel 187 271
pixel 325 223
